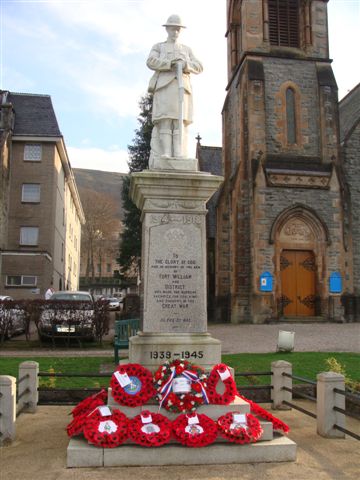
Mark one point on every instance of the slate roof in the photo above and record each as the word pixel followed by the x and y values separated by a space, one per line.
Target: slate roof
pixel 34 115
pixel 210 160
pixel 349 112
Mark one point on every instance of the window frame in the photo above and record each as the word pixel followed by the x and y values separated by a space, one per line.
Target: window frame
pixel 32 159
pixel 22 283
pixel 23 200
pixel 26 244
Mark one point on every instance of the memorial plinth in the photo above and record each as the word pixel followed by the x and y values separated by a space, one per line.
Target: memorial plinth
pixel 174 298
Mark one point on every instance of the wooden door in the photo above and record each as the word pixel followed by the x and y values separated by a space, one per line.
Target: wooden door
pixel 298 282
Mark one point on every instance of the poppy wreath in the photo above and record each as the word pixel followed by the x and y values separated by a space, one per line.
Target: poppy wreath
pixel 108 431
pixel 261 412
pixel 150 429
pixel 200 433
pixel 175 399
pixel 137 388
pixel 239 433
pixel 89 403
pixel 75 427
pixel 221 372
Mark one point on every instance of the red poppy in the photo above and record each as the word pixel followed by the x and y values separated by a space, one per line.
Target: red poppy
pixel 196 433
pixel 106 431
pixel 249 431
pixel 132 385
pixel 228 396
pixel 150 429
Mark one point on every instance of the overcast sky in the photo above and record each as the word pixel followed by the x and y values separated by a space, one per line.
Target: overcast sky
pixel 90 56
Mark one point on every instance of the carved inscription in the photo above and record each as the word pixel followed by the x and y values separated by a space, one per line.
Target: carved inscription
pixel 175 296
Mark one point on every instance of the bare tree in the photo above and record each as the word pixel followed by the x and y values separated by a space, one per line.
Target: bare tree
pixel 101 230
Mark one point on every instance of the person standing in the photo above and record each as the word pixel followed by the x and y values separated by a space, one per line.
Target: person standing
pixel 49 292
pixel 172 96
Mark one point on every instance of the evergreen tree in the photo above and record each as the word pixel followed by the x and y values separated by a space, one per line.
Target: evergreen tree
pixel 139 153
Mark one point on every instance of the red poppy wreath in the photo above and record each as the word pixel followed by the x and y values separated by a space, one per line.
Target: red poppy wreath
pixel 82 410
pixel 106 428
pixel 194 430
pixel 150 429
pixel 89 403
pixel 180 386
pixel 221 373
pixel 132 385
pixel 240 428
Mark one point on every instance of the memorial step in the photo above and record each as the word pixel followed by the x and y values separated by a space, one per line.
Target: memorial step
pixel 81 454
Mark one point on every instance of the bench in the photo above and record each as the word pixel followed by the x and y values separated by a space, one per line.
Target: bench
pixel 124 329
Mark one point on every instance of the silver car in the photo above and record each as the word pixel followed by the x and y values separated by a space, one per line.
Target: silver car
pixel 12 320
pixel 68 314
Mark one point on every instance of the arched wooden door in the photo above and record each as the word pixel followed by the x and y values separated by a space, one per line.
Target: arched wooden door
pixel 298 287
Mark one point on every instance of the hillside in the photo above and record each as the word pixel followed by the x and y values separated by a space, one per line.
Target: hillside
pixel 109 183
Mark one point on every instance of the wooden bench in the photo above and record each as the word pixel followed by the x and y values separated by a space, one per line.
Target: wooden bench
pixel 124 329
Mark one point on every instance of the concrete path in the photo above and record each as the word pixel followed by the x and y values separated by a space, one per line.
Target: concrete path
pixel 39 453
pixel 324 337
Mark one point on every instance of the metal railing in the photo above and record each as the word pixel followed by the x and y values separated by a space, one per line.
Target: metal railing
pixel 335 408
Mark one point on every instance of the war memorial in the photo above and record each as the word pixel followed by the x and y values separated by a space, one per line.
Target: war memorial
pixel 173 343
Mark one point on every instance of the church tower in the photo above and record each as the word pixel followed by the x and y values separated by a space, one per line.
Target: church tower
pixel 282 239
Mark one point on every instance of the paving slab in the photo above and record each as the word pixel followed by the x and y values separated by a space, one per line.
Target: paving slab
pixel 39 452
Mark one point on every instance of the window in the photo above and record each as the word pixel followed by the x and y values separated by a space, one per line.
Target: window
pixel 29 235
pixel 32 152
pixel 30 193
pixel 108 267
pixel 21 280
pixel 98 268
pixel 284 23
pixel 290 116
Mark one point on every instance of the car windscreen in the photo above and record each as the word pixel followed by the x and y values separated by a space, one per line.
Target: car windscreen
pixel 71 296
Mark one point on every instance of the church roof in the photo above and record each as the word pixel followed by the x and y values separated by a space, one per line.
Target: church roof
pixel 210 160
pixel 349 112
pixel 34 115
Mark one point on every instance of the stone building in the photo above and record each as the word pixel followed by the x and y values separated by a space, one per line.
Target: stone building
pixel 287 224
pixel 42 214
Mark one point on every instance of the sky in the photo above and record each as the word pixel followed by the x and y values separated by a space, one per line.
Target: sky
pixel 90 56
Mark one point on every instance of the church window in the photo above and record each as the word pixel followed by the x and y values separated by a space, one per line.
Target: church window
pixel 284 22
pixel 290 116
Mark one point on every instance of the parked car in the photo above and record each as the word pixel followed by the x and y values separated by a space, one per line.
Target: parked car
pixel 114 303
pixel 68 314
pixel 12 320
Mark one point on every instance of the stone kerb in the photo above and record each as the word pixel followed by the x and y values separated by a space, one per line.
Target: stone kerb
pixel 327 399
pixel 7 409
pixel 278 382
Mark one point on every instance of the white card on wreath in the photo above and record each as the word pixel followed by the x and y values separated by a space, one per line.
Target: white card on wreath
pixel 147 419
pixel 193 420
pixel 224 375
pixel 122 378
pixel 239 418
pixel 104 411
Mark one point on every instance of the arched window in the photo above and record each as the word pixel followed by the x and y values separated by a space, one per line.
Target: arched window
pixel 284 22
pixel 290 116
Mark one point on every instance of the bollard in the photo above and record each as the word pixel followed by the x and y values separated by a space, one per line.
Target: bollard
pixel 28 383
pixel 278 382
pixel 327 399
pixel 7 409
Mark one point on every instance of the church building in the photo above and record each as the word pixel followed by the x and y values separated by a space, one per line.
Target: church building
pixel 287 243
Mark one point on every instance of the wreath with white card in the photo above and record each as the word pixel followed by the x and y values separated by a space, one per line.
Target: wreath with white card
pixel 221 373
pixel 194 430
pixel 181 386
pixel 132 385
pixel 150 429
pixel 239 427
pixel 105 427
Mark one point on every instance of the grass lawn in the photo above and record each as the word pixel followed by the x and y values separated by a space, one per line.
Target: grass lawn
pixel 305 364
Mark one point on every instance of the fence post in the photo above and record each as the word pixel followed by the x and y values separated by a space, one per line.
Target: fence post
pixel 326 400
pixel 28 383
pixel 7 409
pixel 278 382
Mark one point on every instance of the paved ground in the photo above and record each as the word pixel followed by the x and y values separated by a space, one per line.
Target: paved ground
pixel 325 337
pixel 39 453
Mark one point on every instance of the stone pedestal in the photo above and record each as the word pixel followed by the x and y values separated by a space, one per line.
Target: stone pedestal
pixel 174 318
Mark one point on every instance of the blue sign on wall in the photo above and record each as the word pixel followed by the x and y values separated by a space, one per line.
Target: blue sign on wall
pixel 335 283
pixel 266 282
